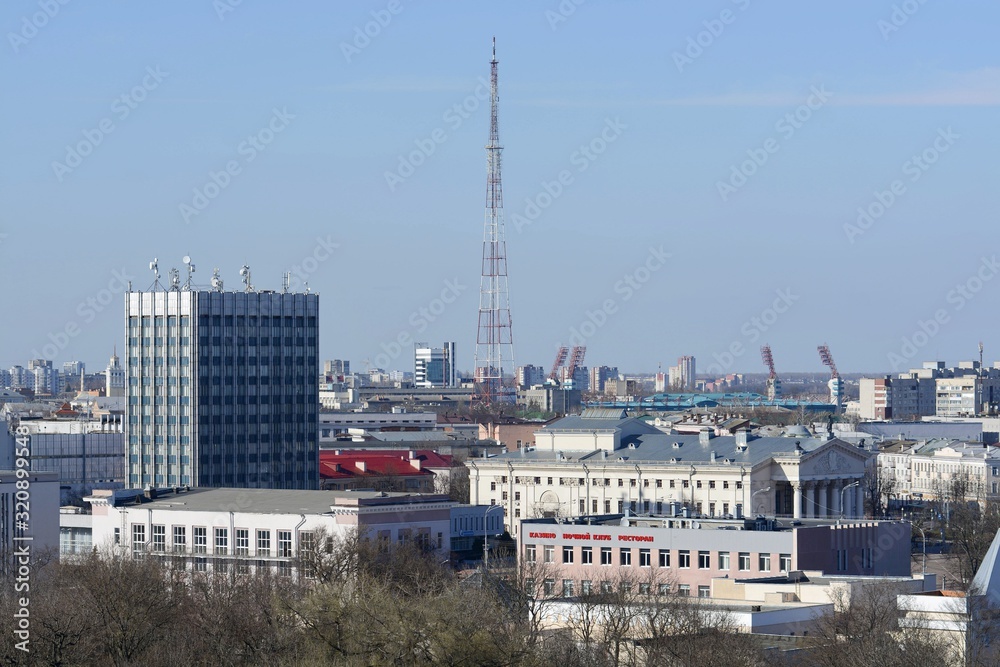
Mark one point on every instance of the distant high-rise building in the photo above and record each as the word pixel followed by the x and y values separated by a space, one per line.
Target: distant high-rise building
pixel 660 383
pixel 335 370
pixel 599 375
pixel 686 364
pixel 222 388
pixel 580 379
pixel 47 381
pixel 434 366
pixel 114 377
pixel 530 375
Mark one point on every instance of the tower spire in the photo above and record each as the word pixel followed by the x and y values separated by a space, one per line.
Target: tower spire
pixel 494 341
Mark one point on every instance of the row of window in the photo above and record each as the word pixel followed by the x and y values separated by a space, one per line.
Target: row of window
pixel 657 483
pixel 220 540
pixel 704 558
pixel 588 587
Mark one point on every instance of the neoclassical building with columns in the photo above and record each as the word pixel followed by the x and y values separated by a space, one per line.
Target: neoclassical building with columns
pixel 605 462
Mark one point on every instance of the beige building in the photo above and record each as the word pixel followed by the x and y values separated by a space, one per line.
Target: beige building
pixel 604 462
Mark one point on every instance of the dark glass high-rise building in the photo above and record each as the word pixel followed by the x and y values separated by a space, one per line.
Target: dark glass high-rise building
pixel 222 389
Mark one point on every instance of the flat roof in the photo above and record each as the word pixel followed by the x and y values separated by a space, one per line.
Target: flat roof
pixel 265 501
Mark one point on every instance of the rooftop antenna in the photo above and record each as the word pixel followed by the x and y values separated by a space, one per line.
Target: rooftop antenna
pixel 216 280
pixel 190 272
pixel 245 274
pixel 285 279
pixel 175 280
pixel 154 266
pixel 980 358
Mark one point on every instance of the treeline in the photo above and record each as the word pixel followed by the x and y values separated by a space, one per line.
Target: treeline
pixel 362 605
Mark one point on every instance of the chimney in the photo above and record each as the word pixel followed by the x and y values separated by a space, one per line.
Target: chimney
pixel 704 435
pixel 149 492
pixel 742 438
pixel 713 456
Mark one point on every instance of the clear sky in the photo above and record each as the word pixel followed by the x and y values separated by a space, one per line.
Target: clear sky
pixel 713 157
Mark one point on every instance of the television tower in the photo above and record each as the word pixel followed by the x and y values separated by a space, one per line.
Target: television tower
pixel 494 341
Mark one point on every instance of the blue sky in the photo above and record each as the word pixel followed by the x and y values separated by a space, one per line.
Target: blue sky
pixel 688 105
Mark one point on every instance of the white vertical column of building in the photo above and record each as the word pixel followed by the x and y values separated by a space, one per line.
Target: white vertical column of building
pixel 810 499
pixel 796 500
pixel 859 494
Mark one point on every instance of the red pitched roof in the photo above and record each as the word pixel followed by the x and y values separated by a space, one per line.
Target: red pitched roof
pixel 366 463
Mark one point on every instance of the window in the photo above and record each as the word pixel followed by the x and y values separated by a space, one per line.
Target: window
pixel 663 589
pixel 644 589
pixel 684 559
pixel 284 543
pixel 684 590
pixel 605 555
pixel 263 543
pixel 585 587
pixel 744 561
pixel 587 555
pixel 784 562
pixel 664 557
pixel 138 537
pixel 549 586
pixel 723 560
pixel 704 591
pixel 242 542
pixel 159 538
pixel 221 540
pixel 567 588
pixel 200 539
pixel 529 553
pixel 180 539
pixel 625 557
pixel 645 560
pixel 704 560
pixel 549 553
pixel 567 555
pixel 764 562
pixel 606 587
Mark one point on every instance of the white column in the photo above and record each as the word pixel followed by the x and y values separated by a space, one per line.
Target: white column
pixel 796 500
pixel 859 493
pixel 835 488
pixel 810 499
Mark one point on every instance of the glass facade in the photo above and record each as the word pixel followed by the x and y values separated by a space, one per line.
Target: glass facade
pixel 222 389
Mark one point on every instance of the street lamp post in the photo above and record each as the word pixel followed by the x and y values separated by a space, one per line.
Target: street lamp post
pixel 486 541
pixel 923 560
pixel 842 508
pixel 764 490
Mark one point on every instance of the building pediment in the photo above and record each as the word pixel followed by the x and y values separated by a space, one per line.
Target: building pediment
pixel 833 458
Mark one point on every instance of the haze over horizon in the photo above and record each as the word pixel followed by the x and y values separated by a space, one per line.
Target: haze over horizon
pixel 679 179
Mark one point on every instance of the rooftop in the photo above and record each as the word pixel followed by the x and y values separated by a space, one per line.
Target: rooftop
pixel 260 501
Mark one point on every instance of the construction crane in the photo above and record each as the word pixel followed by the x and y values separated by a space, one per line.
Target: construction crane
pixel 836 388
pixel 576 358
pixel 557 364
pixel 773 383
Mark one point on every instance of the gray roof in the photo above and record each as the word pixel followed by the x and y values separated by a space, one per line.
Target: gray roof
pixel 987 579
pixel 266 501
pixel 660 448
pixel 924 430
pixel 599 423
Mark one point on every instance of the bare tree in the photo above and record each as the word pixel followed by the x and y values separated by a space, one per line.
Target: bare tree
pixel 879 488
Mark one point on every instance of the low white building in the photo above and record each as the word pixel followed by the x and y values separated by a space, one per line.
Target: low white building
pixel 603 462
pixel 29 518
pixel 223 528
pixel 927 470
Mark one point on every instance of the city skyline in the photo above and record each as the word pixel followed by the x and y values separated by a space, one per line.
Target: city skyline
pixel 666 195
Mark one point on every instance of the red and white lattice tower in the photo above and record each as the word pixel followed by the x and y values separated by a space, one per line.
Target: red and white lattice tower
pixel 495 341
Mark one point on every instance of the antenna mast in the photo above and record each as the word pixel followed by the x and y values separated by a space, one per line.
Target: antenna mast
pixel 494 341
